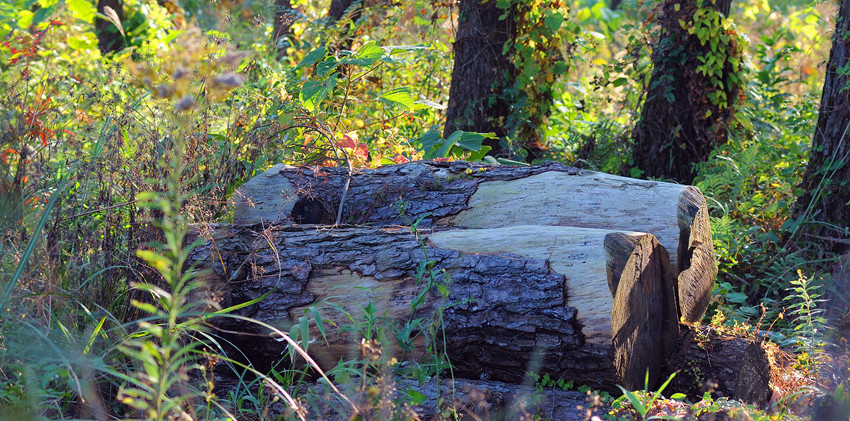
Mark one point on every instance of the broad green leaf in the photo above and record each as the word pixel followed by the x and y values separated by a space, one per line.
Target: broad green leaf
pixel 85 41
pixel 472 141
pixel 619 81
pixel 427 103
pixel 24 19
pixel 315 91
pixel 554 21
pixel 480 155
pixel 311 58
pixel 736 297
pixel 395 49
pixel 368 55
pixel 326 66
pixel 399 97
pixel 444 150
pixel 81 9
pixel 416 398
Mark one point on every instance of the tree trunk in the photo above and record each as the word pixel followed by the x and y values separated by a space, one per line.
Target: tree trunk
pixel 827 178
pixel 469 195
pixel 481 72
pixel 531 298
pixel 109 39
pixel 679 123
pixel 284 16
pixel 338 7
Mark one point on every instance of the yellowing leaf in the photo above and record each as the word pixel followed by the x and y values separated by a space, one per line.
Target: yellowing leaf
pixel 24 19
pixel 82 9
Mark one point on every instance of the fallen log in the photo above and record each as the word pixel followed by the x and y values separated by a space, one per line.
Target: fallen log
pixel 531 298
pixel 468 195
pixel 471 399
pixel 726 364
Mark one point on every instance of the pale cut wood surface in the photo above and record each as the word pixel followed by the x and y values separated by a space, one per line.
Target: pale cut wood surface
pixel 469 195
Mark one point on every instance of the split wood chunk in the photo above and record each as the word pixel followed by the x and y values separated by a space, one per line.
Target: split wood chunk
pixel 468 195
pixel 520 298
pixel 727 364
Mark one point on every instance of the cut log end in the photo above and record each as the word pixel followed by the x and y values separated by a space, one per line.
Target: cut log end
pixel 696 259
pixel 644 316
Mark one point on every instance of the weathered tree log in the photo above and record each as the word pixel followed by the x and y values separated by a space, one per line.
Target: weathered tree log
pixel 722 363
pixel 483 399
pixel 523 298
pixel 468 195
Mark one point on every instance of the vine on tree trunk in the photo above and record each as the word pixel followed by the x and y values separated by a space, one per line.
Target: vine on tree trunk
pixel 540 53
pixel 695 90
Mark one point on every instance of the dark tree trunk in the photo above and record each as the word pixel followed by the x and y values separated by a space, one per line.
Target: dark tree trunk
pixel 679 125
pixel 827 177
pixel 109 39
pixel 338 7
pixel 481 72
pixel 345 10
pixel 284 16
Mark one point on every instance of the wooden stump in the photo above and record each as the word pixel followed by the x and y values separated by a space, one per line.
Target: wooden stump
pixel 722 363
pixel 467 195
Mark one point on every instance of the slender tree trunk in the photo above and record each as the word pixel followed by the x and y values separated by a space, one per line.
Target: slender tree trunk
pixel 109 39
pixel 679 124
pixel 827 178
pixel 284 16
pixel 481 72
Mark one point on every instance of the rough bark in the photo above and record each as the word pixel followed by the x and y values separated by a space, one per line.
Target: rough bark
pixel 109 39
pixel 827 178
pixel 723 364
pixel 509 309
pixel 679 125
pixel 481 72
pixel 484 399
pixel 466 195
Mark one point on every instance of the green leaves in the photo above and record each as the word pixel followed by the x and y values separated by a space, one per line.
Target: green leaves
pixel 553 21
pixel 311 58
pixel 315 91
pixel 398 98
pixel 82 9
pixel 457 144
pixel 358 65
